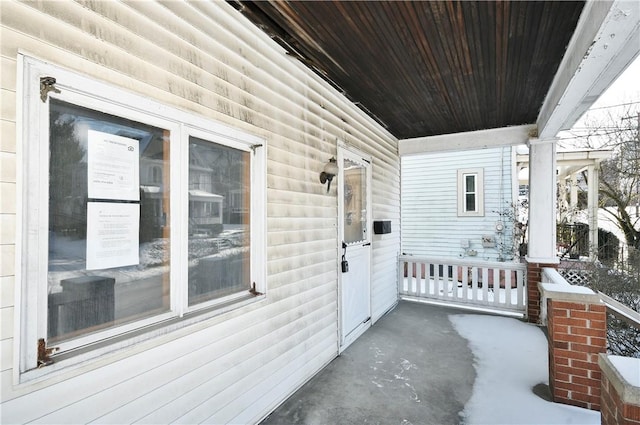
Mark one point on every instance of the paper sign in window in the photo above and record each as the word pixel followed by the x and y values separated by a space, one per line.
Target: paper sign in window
pixel 112 235
pixel 113 167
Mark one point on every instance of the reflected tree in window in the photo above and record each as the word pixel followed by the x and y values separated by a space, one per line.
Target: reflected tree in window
pixel 66 191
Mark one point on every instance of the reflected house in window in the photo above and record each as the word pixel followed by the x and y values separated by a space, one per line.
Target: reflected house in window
pixel 205 212
pixel 237 209
pixel 153 219
pixel 205 206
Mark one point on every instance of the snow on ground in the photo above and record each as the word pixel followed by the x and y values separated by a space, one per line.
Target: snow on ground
pixel 510 358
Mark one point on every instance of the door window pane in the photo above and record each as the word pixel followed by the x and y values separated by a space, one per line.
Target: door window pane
pixel 355 201
pixel 108 258
pixel 219 226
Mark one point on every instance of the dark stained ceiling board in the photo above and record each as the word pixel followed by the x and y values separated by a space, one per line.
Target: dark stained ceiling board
pixel 424 68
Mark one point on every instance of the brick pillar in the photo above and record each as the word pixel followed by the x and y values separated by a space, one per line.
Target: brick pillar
pixel 577 335
pixel 620 399
pixel 534 276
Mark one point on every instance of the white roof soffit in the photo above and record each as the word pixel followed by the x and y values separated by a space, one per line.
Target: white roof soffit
pixel 606 41
pixel 479 139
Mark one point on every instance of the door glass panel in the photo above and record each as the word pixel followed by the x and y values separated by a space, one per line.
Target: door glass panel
pixel 108 261
pixel 355 201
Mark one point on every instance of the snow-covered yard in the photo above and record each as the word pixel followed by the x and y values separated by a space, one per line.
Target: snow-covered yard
pixel 510 358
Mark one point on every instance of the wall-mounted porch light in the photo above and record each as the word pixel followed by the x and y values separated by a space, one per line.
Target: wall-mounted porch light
pixel 328 173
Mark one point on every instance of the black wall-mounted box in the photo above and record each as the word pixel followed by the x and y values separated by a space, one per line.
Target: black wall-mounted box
pixel 382 227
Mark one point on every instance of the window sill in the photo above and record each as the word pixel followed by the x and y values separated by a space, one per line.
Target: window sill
pixel 104 352
pixel 475 214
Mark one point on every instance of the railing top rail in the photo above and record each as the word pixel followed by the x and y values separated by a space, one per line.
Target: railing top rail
pixel 551 275
pixel 506 265
pixel 620 310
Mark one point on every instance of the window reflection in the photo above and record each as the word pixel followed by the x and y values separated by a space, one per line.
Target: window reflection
pixel 219 237
pixel 355 213
pixel 80 300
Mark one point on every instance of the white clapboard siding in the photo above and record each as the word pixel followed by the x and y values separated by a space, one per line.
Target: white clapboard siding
pixel 430 223
pixel 176 387
pixel 206 58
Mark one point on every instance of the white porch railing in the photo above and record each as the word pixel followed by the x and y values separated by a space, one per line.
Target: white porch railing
pixel 495 285
pixel 614 307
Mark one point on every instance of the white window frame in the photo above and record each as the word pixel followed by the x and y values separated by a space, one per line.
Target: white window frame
pixel 32 226
pixel 478 173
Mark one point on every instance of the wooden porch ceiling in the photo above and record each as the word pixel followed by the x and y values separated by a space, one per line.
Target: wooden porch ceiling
pixel 424 68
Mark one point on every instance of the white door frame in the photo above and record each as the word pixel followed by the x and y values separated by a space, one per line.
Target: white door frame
pixel 345 151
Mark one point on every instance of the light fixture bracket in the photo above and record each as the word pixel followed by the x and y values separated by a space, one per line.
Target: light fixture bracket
pixel 329 172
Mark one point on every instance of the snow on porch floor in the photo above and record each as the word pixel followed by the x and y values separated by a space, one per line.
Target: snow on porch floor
pixel 426 364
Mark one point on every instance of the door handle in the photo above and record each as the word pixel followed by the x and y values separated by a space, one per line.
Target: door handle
pixel 344 264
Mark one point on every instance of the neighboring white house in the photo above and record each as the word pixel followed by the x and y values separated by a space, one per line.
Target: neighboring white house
pixel 570 166
pixel 460 204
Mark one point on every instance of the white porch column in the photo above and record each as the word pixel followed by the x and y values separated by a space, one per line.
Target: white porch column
pixel 542 201
pixel 573 192
pixel 593 176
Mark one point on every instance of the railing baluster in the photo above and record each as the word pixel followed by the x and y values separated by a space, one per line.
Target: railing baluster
pixel 474 283
pixel 446 281
pixel 418 274
pixel 454 282
pixel 400 277
pixel 465 283
pixel 415 289
pixel 497 286
pixel 521 288
pixel 436 280
pixel 428 279
pixel 508 275
pixel 485 285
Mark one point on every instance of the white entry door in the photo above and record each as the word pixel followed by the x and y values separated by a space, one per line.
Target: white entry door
pixel 354 208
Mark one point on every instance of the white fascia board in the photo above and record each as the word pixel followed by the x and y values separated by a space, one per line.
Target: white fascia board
pixel 566 172
pixel 602 47
pixel 479 139
pixel 575 157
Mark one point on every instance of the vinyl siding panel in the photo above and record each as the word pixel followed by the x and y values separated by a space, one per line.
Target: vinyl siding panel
pixel 205 58
pixel 430 222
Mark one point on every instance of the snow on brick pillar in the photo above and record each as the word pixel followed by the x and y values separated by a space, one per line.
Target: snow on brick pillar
pixel 577 332
pixel 534 276
pixel 620 390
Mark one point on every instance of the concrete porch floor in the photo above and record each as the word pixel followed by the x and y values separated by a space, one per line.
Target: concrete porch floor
pixel 411 367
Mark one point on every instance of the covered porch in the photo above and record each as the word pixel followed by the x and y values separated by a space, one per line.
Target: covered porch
pixel 388 79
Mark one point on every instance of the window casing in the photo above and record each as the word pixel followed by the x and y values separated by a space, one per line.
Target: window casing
pixel 471 192
pixel 108 252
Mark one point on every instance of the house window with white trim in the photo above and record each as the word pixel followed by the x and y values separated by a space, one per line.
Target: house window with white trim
pixel 117 242
pixel 471 192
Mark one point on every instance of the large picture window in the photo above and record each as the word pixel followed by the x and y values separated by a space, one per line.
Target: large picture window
pixel 108 256
pixel 133 217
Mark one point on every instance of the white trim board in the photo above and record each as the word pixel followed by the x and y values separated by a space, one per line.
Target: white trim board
pixel 604 43
pixel 479 139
